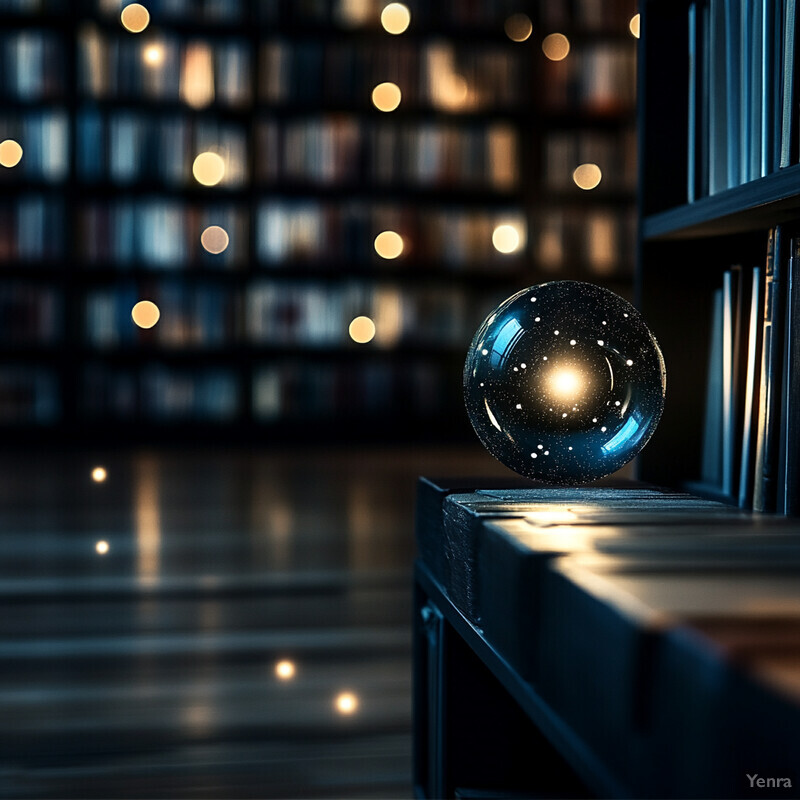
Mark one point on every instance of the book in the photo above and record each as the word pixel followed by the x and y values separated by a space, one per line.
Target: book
pixel 788 89
pixel 711 466
pixel 767 441
pixel 751 394
pixel 788 490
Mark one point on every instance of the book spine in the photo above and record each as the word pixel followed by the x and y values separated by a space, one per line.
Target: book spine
pixel 788 115
pixel 764 498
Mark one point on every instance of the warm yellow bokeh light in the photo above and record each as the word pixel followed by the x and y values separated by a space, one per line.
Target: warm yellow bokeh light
pixel 145 314
pixel 587 176
pixel 389 244
pixel 135 17
pixel 10 153
pixel 153 55
pixel 395 18
pixel 565 383
pixel 214 239
pixel 362 330
pixel 518 27
pixel 208 168
pixel 634 25
pixel 102 547
pixel 346 703
pixel 386 96
pixel 556 46
pixel 285 670
pixel 99 474
pixel 506 238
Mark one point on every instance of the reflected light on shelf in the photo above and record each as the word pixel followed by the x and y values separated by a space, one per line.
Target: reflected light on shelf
pixel 208 168
pixel 145 314
pixel 346 703
pixel 389 244
pixel 587 176
pixel 386 96
pixel 506 238
pixel 556 46
pixel 214 239
pixel 362 330
pixel 135 17
pixel 10 153
pixel 634 25
pixel 102 547
pixel 518 27
pixel 285 670
pixel 99 474
pixel 153 55
pixel 395 18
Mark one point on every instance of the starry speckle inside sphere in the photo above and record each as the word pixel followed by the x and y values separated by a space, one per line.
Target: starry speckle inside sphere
pixel 591 390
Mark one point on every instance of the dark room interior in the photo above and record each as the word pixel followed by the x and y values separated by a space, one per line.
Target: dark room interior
pixel 397 400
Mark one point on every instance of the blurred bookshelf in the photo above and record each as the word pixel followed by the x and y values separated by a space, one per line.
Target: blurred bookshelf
pixel 259 271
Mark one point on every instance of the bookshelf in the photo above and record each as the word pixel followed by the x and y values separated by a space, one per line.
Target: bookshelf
pixel 710 204
pixel 106 207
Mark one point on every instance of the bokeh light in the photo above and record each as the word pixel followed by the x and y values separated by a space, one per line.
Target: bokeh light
pixel 587 176
pixel 99 474
pixel 386 96
pixel 362 330
pixel 135 17
pixel 285 670
pixel 556 46
pixel 145 314
pixel 214 239
pixel 395 18
pixel 389 244
pixel 153 54
pixel 346 703
pixel 208 168
pixel 518 27
pixel 102 547
pixel 10 153
pixel 506 238
pixel 634 25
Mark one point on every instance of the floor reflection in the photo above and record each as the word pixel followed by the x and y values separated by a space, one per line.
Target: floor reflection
pixel 243 632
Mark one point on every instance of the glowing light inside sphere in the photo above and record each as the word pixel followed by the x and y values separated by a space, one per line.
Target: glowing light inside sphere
pixel 395 18
pixel 135 17
pixel 564 382
pixel 10 153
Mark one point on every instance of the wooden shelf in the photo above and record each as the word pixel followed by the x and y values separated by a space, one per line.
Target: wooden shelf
pixel 751 206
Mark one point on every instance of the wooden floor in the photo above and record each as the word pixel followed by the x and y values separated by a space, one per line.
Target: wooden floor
pixel 149 671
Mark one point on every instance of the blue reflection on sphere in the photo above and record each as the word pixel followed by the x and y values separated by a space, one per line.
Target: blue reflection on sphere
pixel 564 382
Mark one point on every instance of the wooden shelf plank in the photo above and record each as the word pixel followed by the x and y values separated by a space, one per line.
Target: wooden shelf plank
pixel 758 204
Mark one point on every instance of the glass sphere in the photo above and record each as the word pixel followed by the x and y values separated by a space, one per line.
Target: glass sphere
pixel 564 382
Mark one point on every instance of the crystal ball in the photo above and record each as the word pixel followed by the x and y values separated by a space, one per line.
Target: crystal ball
pixel 564 382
